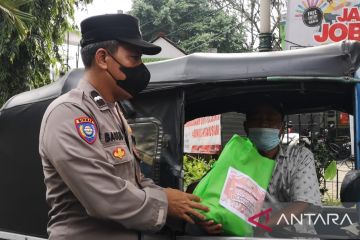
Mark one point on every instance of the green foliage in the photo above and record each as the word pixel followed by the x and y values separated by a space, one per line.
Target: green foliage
pixel 323 158
pixel 330 171
pixel 14 16
pixel 330 201
pixel 196 26
pixel 149 60
pixel 195 168
pixel 247 11
pixel 26 60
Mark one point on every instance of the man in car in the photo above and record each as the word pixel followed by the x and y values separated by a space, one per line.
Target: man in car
pixel 294 179
pixel 294 182
pixel 95 188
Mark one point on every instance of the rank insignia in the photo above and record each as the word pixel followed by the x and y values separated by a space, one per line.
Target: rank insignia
pixel 98 99
pixel 119 152
pixel 86 129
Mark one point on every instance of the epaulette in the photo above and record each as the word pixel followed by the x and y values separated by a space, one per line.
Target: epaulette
pixel 98 99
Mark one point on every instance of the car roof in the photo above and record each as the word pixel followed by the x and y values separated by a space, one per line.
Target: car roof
pixel 333 62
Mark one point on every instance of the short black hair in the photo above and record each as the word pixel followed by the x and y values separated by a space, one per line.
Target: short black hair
pixel 88 52
pixel 265 100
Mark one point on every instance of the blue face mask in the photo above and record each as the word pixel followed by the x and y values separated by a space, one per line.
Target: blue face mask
pixel 265 139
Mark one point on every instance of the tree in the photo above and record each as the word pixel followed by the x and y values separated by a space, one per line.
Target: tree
pixel 196 26
pixel 248 13
pixel 26 59
pixel 14 16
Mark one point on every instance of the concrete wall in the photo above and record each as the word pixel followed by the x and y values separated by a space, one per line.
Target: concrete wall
pixel 168 50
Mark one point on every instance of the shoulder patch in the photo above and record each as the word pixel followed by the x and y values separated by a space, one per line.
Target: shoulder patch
pixel 86 129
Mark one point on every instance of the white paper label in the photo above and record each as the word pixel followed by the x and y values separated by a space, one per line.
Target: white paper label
pixel 241 195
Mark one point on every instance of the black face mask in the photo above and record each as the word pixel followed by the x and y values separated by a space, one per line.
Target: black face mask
pixel 137 78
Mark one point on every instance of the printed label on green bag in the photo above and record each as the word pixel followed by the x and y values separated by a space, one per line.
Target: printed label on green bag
pixel 241 195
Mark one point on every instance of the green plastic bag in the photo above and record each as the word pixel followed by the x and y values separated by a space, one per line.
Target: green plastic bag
pixel 235 187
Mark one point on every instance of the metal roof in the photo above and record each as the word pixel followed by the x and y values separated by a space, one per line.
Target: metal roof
pixel 339 59
pixel 335 61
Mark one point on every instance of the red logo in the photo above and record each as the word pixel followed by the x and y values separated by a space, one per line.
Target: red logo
pixel 258 224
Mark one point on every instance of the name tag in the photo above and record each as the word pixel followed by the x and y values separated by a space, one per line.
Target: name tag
pixel 113 136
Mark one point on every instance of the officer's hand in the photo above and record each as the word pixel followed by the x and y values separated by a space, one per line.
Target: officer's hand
pixel 211 227
pixel 182 205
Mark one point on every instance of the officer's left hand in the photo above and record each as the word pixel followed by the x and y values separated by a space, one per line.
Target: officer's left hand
pixel 183 205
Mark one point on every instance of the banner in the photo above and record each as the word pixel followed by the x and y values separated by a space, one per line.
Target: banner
pixel 203 135
pixel 344 118
pixel 316 22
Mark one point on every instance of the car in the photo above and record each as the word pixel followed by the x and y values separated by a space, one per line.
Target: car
pixel 309 80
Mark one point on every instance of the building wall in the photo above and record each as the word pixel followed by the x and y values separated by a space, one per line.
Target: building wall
pixel 168 50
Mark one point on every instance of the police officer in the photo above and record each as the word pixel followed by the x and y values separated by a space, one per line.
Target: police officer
pixel 94 185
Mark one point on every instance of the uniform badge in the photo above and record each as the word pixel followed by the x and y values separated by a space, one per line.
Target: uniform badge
pixel 97 99
pixel 86 129
pixel 119 152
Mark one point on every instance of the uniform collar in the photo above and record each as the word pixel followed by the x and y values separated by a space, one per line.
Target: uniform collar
pixel 93 94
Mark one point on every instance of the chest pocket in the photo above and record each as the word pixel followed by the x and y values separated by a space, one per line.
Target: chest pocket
pixel 118 152
pixel 121 158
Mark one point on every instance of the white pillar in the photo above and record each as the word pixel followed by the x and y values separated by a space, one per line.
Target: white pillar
pixel 264 16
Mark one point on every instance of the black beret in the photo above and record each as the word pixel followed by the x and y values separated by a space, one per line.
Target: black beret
pixel 120 27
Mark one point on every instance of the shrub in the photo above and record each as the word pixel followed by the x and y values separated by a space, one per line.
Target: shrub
pixel 195 168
